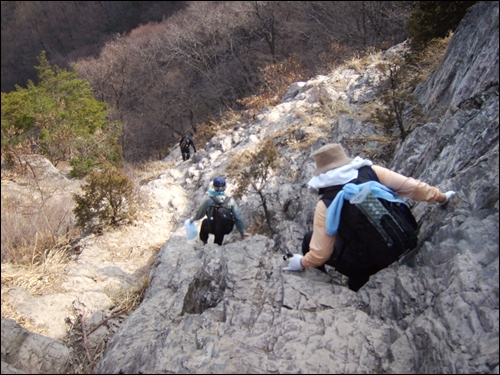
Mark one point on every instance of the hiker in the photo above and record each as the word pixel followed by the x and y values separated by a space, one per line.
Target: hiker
pixel 335 239
pixel 215 223
pixel 185 143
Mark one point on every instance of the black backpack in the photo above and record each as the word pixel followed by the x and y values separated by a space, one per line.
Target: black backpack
pixel 184 143
pixel 359 243
pixel 221 221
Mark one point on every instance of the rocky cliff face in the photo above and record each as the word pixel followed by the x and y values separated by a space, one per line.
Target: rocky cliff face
pixel 231 309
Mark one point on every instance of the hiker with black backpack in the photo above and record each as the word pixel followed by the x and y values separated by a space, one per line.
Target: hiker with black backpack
pixel 360 225
pixel 185 143
pixel 222 214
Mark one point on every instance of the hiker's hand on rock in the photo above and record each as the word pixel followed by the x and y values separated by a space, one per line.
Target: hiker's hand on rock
pixel 448 195
pixel 294 263
pixel 243 235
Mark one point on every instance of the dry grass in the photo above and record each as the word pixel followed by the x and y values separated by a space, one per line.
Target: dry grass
pixel 36 250
pixel 237 162
pixel 258 225
pixel 127 300
pixel 360 61
pixel 335 57
pixel 368 111
pixel 311 128
pixel 407 71
pixel 230 118
pixel 334 109
pixel 43 275
pixel 322 124
pixel 37 224
pixel 339 84
pixel 259 102
pixel 211 127
pixel 381 154
pixel 30 227
pixel 277 80
pixel 423 64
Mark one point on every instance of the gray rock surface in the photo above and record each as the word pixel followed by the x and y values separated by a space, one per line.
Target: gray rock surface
pixel 26 352
pixel 231 309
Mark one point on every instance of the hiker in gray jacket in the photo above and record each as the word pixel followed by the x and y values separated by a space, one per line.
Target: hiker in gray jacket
pixel 215 223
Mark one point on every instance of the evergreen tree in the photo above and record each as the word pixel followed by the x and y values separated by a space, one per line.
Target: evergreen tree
pixel 434 19
pixel 61 119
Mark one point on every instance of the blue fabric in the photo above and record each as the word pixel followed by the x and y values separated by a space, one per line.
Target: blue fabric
pixel 349 191
pixel 211 192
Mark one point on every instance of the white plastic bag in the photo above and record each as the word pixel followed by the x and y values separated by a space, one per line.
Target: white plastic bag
pixel 191 230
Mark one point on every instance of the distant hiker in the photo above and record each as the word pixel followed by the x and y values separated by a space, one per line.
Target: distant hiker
pixel 343 235
pixel 222 214
pixel 185 143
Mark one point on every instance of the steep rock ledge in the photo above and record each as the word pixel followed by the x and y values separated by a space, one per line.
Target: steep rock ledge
pixel 435 312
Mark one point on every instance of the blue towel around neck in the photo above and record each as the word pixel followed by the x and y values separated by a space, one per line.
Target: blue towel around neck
pixel 349 191
pixel 211 192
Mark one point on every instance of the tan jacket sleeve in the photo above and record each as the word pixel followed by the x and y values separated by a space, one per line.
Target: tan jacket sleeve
pixel 321 246
pixel 408 187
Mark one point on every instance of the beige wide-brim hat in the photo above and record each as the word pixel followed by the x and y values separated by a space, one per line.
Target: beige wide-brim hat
pixel 329 157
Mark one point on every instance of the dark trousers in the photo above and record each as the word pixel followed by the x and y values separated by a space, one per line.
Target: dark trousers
pixel 205 231
pixel 186 154
pixel 358 276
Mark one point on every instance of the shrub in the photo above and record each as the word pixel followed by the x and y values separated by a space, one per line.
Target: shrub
pixel 398 107
pixel 434 19
pixel 59 118
pixel 252 171
pixel 107 200
pixel 277 80
pixel 81 167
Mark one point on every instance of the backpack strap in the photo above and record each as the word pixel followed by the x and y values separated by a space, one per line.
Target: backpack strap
pixel 214 200
pixel 329 193
pixel 184 143
pixel 217 203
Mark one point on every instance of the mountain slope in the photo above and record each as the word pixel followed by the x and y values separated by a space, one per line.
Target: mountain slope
pixel 231 309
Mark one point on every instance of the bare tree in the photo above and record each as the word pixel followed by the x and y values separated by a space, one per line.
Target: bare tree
pixel 176 74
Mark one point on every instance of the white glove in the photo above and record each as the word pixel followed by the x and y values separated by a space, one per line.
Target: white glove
pixel 448 194
pixel 294 264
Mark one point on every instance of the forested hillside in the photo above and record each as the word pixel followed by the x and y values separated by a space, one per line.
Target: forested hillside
pixel 186 72
pixel 165 68
pixel 67 31
pixel 189 63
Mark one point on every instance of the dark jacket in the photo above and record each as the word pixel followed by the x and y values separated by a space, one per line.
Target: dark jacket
pixel 190 142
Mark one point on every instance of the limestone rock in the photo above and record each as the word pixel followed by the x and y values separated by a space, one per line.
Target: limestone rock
pixel 25 352
pixel 231 309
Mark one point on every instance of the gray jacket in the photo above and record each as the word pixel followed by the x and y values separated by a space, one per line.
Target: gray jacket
pixel 207 207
